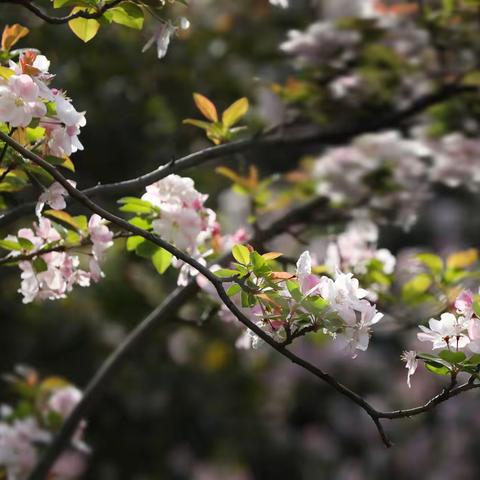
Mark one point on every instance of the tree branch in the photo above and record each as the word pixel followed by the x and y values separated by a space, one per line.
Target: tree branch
pixel 61 20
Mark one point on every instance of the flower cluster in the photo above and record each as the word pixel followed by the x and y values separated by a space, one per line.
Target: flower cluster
pixel 23 436
pixel 322 44
pixel 51 275
pixel 455 331
pixel 355 248
pixel 286 306
pixel 26 99
pixel 454 334
pixel 381 171
pixel 176 211
pixel 387 171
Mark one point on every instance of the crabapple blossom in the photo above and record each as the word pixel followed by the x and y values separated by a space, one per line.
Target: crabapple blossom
pixel 464 304
pixel 322 43
pixel 18 451
pixel 446 332
pixel 359 174
pixel 411 363
pixel 308 283
pixel 24 97
pixel 356 247
pixel 182 219
pixel 53 274
pixel 161 37
pixel 54 196
pixel 64 400
pixel 19 102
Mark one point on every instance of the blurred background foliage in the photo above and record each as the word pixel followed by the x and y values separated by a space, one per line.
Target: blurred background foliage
pixel 187 405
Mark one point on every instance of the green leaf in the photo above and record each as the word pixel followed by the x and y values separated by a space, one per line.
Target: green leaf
pixel 40 265
pixel 235 112
pixel 25 243
pixel 476 305
pixel 197 123
pixel 437 368
pixel 6 72
pixel 248 300
pixel 225 273
pixel 63 217
pixel 452 357
pixel 146 249
pixel 126 14
pixel 140 223
pixel 134 242
pixel 241 254
pixel 433 262
pixel 294 290
pixel 161 260
pixel 10 245
pixel 234 289
pixel 85 29
pixel 416 286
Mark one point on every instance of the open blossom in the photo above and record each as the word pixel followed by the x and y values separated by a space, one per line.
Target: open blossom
pixel 183 218
pixel 54 196
pixel 161 37
pixel 357 246
pixel 18 450
pixel 23 97
pixel 64 400
pixel 19 102
pixel 411 363
pixel 102 239
pixel 447 332
pixel 308 283
pixel 464 304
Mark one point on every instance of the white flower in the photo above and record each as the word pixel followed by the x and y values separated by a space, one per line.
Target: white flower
pixel 410 357
pixel 19 102
pixel 54 196
pixel 308 283
pixel 343 293
pixel 474 335
pixel 161 37
pixel 64 400
pixel 446 332
pixel 102 239
pixel 18 451
pixel 280 3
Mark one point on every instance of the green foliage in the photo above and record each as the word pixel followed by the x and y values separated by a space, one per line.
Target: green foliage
pixel 219 131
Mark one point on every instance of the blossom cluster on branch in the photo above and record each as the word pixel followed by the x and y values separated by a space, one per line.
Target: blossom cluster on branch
pixel 27 427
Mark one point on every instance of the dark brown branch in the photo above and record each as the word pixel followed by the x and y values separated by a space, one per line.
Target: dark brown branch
pixel 61 20
pixel 293 136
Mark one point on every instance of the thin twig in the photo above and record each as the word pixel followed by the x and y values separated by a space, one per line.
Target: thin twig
pixel 65 19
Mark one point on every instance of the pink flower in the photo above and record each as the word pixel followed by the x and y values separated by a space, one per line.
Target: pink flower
pixel 464 303
pixel 64 400
pixel 19 102
pixel 54 197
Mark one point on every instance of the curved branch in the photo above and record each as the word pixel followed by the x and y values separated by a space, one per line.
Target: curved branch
pixel 293 136
pixel 61 20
